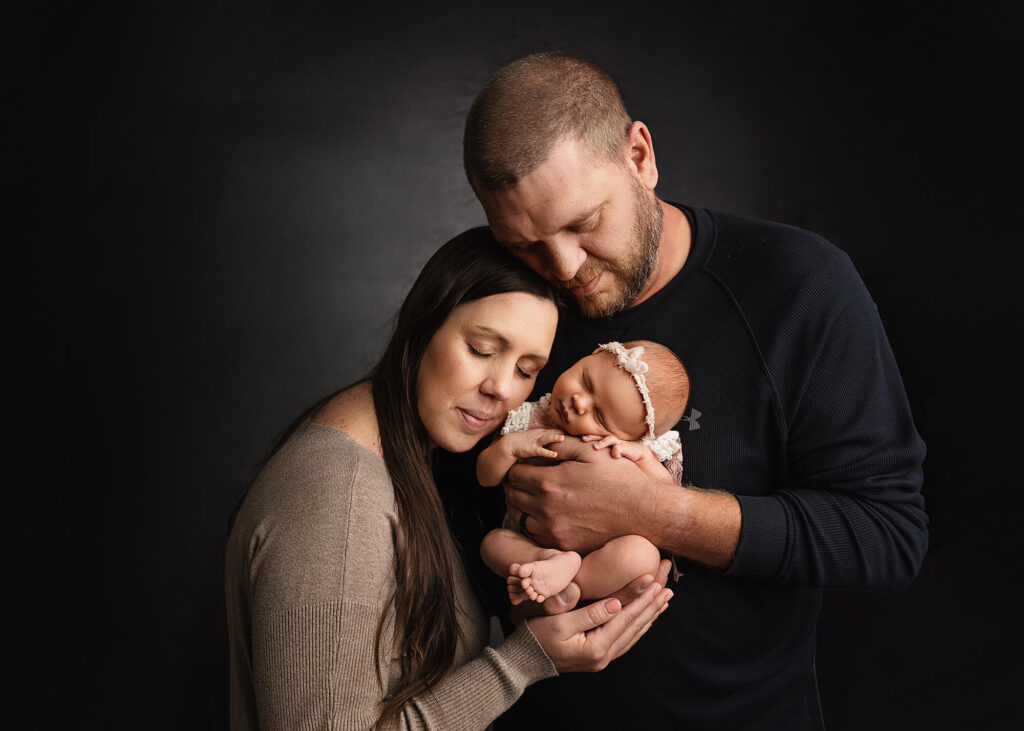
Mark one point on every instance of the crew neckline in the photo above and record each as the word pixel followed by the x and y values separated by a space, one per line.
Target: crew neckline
pixel 702 240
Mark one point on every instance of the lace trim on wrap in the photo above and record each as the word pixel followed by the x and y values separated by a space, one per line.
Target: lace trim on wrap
pixel 521 419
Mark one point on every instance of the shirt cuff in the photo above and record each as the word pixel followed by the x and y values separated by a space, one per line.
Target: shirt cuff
pixel 764 533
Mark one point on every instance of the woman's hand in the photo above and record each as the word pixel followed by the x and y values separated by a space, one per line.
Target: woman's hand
pixel 587 639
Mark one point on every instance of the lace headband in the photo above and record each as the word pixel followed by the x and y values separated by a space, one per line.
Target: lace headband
pixel 628 359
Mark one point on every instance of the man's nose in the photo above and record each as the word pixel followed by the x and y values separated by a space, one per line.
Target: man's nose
pixel 566 257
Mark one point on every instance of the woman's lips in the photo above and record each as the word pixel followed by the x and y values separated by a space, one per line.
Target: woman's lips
pixel 475 419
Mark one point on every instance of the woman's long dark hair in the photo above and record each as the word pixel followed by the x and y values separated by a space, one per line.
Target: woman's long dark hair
pixel 469 267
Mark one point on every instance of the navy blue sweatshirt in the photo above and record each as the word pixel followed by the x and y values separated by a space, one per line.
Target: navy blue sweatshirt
pixel 796 407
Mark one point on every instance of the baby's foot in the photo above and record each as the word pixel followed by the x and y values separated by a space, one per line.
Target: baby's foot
pixel 546 577
pixel 516 595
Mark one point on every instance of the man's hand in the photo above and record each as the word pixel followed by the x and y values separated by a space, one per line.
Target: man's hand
pixel 583 502
pixel 588 499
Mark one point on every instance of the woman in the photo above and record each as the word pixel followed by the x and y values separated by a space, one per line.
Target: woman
pixel 347 603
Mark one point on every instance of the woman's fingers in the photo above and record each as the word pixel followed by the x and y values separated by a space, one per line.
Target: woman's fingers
pixel 639 625
pixel 637 586
pixel 614 628
pixel 587 639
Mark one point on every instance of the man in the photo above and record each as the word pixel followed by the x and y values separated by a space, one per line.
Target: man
pixel 801 458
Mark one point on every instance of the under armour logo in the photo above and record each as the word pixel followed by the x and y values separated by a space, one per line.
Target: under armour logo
pixel 692 419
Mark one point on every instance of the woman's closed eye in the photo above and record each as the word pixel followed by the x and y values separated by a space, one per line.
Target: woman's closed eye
pixel 520 371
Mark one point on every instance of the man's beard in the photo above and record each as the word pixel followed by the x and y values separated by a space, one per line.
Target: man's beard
pixel 633 270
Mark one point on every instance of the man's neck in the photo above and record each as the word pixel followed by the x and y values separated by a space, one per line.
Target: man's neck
pixel 673 248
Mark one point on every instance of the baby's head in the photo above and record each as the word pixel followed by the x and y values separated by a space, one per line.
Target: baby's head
pixel 599 396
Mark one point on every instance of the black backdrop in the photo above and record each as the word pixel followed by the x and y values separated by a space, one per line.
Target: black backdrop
pixel 220 208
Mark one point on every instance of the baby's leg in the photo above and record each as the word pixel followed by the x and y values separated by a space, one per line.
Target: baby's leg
pixel 615 564
pixel 532 572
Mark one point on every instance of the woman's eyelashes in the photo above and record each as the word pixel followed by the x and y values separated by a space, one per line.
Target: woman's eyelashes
pixel 524 373
pixel 520 371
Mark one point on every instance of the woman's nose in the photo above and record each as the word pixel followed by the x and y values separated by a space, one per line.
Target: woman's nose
pixel 498 385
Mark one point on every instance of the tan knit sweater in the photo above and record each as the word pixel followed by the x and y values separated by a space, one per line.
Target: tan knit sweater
pixel 308 574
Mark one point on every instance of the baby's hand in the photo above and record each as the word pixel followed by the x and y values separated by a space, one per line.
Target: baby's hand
pixel 633 451
pixel 532 442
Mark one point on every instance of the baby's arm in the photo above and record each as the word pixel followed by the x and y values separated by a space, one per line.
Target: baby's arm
pixel 498 458
pixel 635 452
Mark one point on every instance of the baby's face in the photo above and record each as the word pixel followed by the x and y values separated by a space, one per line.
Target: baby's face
pixel 595 396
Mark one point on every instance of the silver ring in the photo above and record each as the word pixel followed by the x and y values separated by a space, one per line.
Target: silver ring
pixel 522 523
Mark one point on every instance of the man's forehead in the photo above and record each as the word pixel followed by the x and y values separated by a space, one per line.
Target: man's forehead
pixel 513 217
pixel 568 185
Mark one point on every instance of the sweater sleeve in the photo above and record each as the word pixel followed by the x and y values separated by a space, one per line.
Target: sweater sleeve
pixel 314 669
pixel 850 514
pixel 320 575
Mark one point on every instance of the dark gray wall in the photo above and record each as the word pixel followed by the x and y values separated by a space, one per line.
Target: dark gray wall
pixel 220 209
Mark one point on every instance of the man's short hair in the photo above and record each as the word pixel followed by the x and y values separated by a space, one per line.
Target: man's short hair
pixel 530 105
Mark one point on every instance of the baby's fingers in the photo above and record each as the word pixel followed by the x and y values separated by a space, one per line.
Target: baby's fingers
pixel 607 442
pixel 550 436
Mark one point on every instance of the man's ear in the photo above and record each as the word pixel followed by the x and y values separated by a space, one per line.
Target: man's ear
pixel 641 154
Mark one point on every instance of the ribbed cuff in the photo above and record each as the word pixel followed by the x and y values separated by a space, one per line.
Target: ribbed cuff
pixel 522 651
pixel 763 537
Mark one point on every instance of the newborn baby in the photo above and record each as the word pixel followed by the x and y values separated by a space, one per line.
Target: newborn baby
pixel 620 397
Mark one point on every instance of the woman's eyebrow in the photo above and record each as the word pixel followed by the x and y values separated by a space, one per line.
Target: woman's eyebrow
pixel 495 333
pixel 506 342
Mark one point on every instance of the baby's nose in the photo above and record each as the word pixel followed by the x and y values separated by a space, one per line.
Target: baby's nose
pixel 579 403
